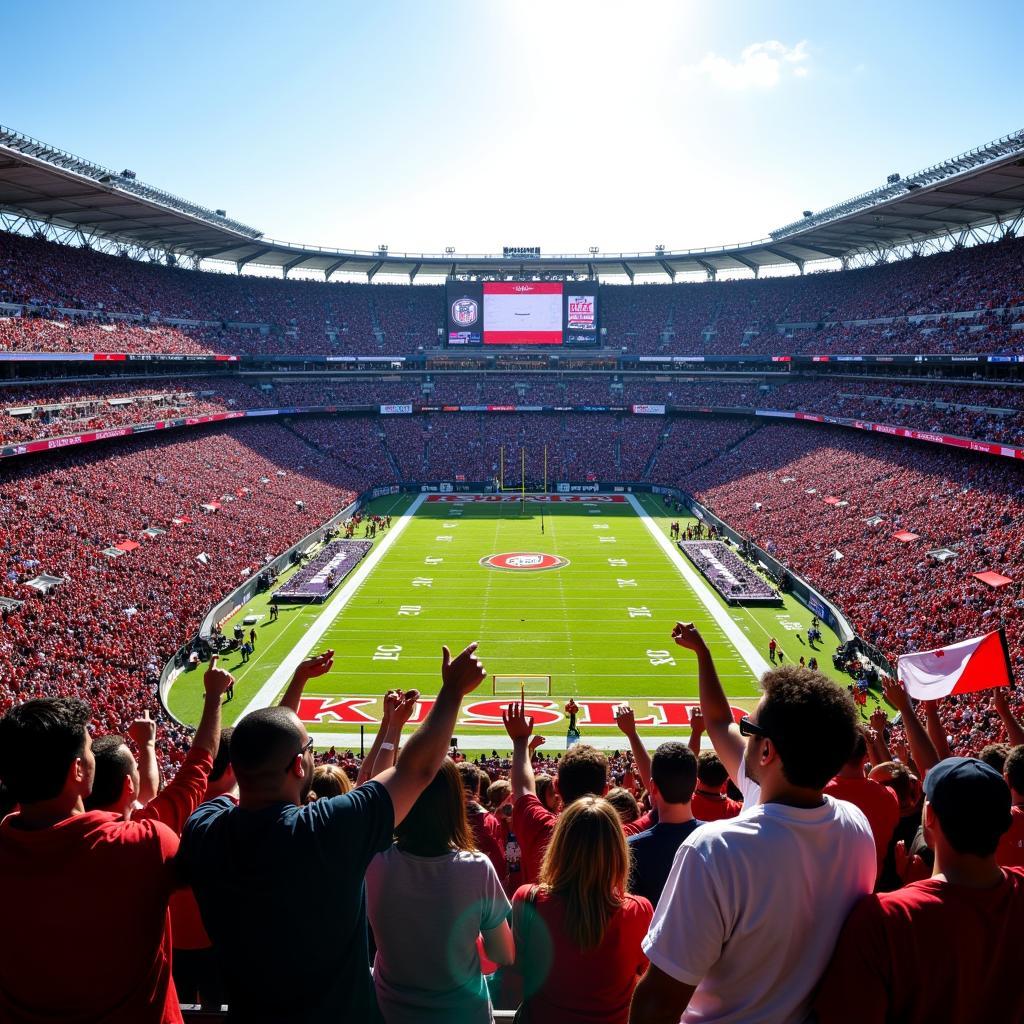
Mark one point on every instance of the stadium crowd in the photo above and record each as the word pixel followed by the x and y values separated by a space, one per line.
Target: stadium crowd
pixel 99 624
pixel 804 314
pixel 975 410
pixel 901 593
pixel 804 862
pixel 837 878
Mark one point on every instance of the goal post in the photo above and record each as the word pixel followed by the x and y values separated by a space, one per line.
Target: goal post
pixel 513 685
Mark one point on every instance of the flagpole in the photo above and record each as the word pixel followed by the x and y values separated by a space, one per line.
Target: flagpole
pixel 501 469
pixel 1006 653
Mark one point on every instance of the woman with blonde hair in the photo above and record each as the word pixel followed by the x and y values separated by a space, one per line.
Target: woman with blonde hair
pixel 330 780
pixel 429 898
pixel 578 933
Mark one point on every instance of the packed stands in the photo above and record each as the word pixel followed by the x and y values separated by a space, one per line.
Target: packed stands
pixel 272 316
pixel 898 597
pixel 105 631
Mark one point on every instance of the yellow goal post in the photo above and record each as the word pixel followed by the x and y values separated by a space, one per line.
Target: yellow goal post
pixel 513 685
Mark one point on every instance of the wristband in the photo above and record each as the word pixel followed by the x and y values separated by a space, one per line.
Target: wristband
pixel 387 746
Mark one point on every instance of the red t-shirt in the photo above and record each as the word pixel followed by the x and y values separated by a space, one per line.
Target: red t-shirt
pixel 1010 852
pixel 485 841
pixel 878 803
pixel 642 824
pixel 564 985
pixel 87 936
pixel 183 794
pixel 709 808
pixel 929 952
pixel 533 825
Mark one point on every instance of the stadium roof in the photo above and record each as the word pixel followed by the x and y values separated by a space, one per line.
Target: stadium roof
pixel 977 189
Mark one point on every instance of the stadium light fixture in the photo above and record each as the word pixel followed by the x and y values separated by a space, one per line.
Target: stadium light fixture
pixel 449 250
pixel 594 250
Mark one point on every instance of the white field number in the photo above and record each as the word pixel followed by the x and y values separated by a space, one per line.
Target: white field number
pixel 660 658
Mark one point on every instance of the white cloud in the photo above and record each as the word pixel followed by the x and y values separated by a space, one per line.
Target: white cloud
pixel 760 66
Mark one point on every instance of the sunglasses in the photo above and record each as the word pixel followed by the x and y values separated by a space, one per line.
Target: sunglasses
pixel 307 746
pixel 750 728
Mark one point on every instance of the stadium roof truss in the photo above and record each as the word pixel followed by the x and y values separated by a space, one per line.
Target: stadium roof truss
pixel 977 196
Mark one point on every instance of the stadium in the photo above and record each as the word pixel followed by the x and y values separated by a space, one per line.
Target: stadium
pixel 256 485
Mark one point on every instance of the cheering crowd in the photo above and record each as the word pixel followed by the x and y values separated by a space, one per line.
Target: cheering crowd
pixel 835 883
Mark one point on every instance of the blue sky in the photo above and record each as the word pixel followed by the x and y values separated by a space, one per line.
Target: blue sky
pixel 482 124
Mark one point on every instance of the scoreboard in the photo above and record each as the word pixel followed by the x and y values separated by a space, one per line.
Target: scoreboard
pixel 522 312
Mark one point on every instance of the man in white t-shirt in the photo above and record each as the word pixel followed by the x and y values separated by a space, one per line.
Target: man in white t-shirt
pixel 753 906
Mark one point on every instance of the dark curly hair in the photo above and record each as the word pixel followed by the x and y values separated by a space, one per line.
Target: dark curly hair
pixel 810 721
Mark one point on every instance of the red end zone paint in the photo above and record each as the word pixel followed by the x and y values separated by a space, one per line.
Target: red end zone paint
pixel 348 710
pixel 524 561
pixel 456 499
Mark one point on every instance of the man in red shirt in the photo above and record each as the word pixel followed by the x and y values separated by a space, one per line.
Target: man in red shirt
pixel 1010 853
pixel 583 771
pixel 878 802
pixel 946 947
pixel 68 861
pixel 710 800
pixel 117 786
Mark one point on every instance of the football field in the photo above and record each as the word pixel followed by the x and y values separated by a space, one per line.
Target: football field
pixel 577 594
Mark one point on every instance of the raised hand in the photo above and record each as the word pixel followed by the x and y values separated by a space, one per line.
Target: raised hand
pixel 405 706
pixel 896 694
pixel 696 721
pixel 143 730
pixel 625 719
pixel 687 635
pixel 315 665
pixel 216 681
pixel 464 673
pixel 537 741
pixel 518 724
pixel 391 701
pixel 999 701
pixel 879 719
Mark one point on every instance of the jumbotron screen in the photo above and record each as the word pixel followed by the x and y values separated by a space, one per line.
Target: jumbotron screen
pixel 522 313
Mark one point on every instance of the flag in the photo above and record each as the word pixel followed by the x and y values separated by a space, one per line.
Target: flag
pixel 978 664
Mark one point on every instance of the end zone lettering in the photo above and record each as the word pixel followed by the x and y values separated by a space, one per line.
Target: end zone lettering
pixel 348 710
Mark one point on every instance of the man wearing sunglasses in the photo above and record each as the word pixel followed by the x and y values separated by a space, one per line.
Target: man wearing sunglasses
pixel 754 904
pixel 279 881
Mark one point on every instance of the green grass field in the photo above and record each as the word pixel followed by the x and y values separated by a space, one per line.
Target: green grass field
pixel 599 626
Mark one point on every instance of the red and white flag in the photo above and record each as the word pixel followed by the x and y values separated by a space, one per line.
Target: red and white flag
pixel 978 664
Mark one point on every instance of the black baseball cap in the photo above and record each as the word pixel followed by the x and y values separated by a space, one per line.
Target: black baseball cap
pixel 969 797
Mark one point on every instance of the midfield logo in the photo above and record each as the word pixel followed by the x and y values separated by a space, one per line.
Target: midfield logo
pixel 524 561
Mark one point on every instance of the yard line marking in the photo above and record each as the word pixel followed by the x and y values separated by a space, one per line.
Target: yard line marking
pixel 283 673
pixel 746 650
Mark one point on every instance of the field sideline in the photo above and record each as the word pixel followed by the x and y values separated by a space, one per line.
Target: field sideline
pixel 599 625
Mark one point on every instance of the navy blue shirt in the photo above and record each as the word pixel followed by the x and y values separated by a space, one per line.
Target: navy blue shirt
pixel 652 853
pixel 281 894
